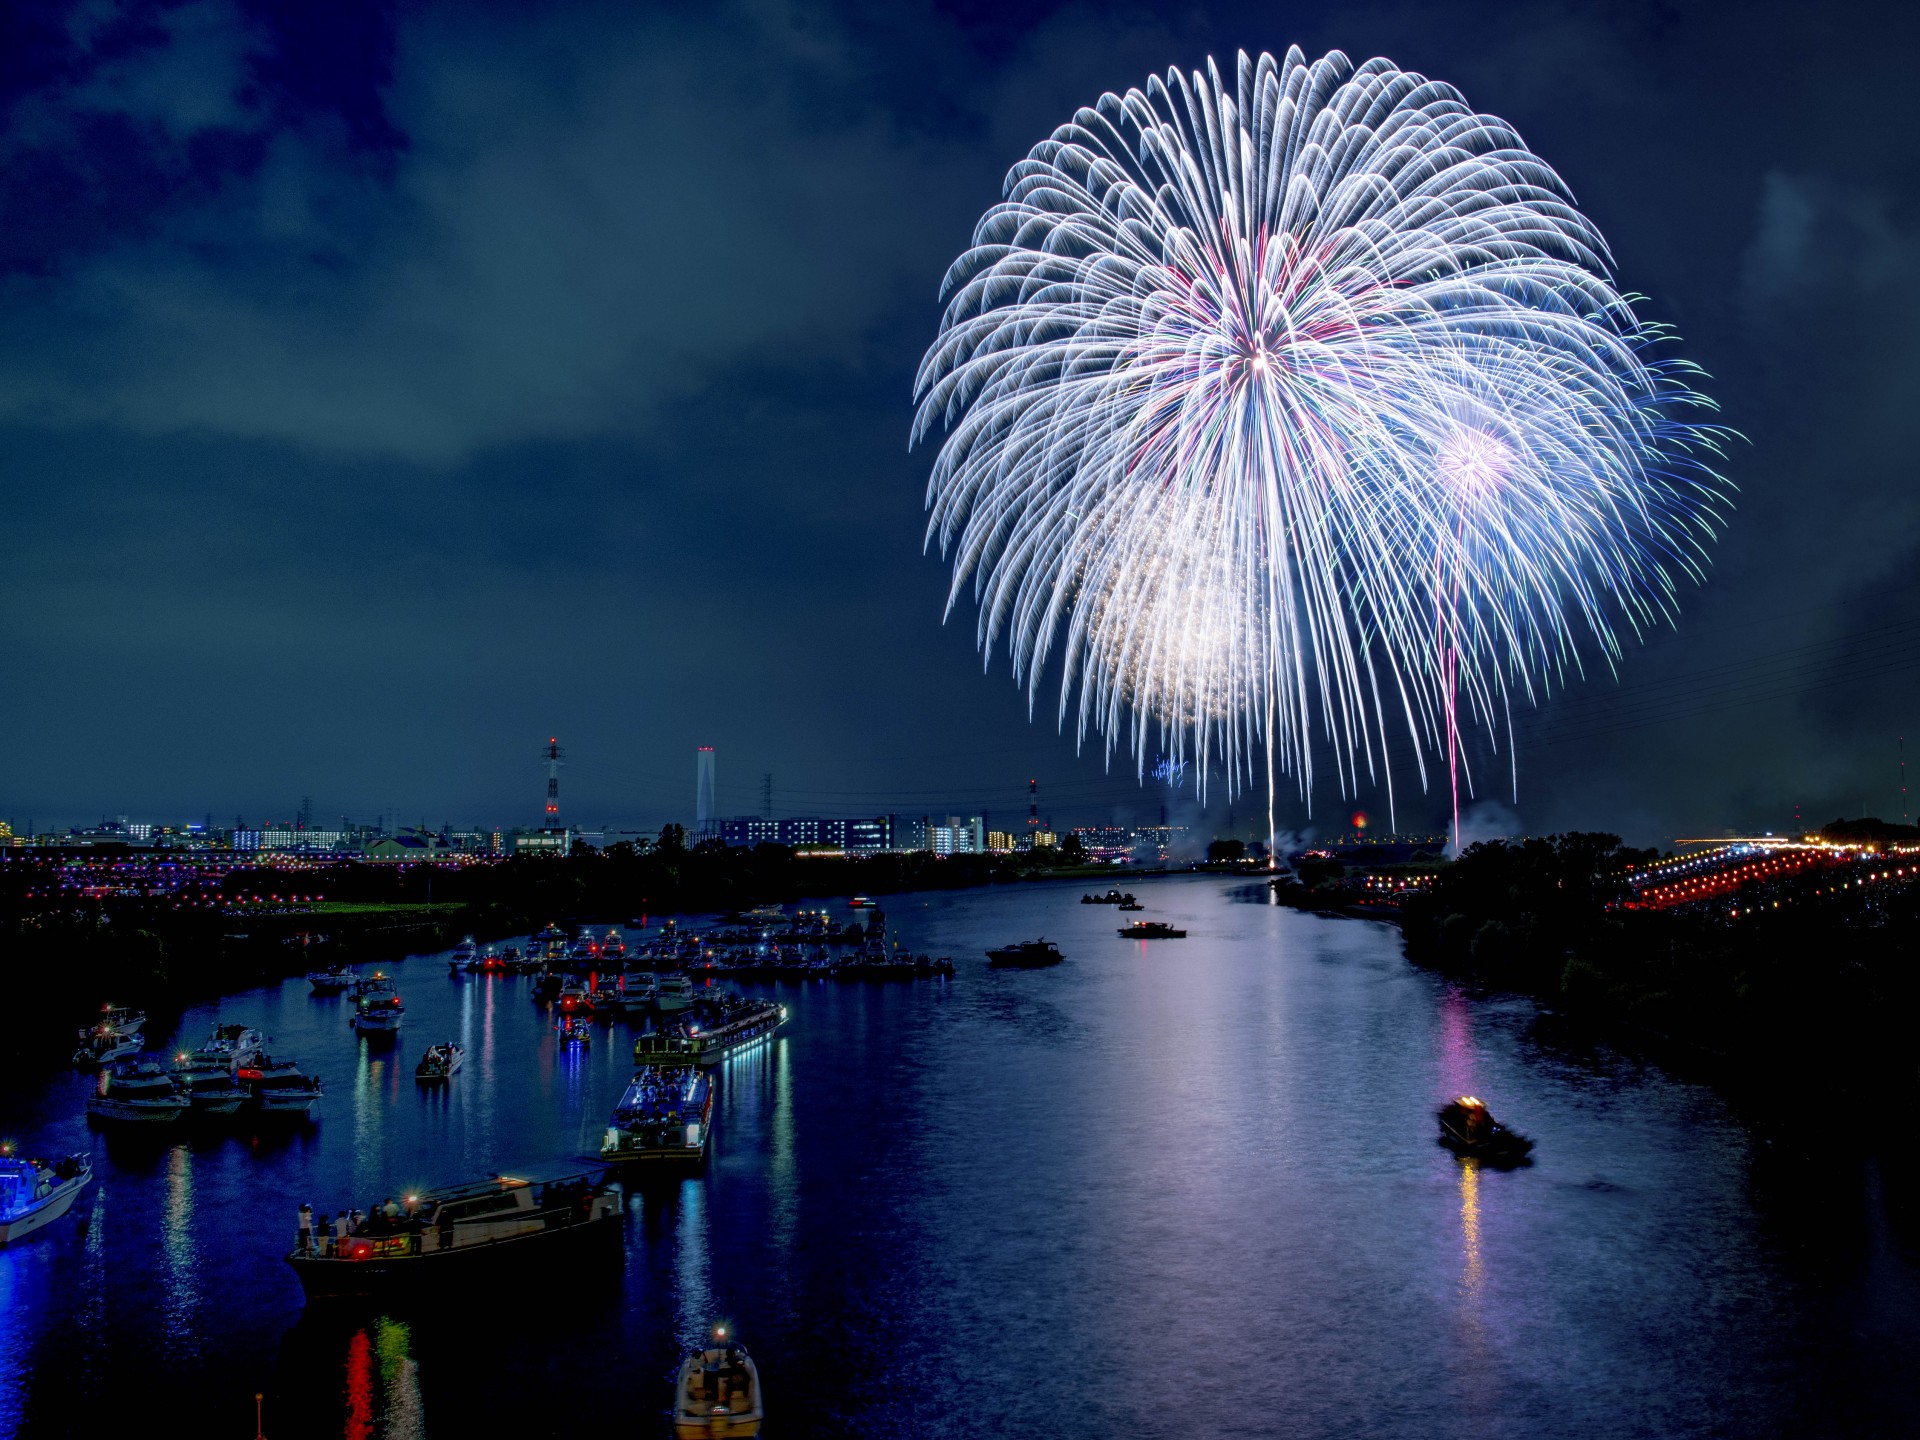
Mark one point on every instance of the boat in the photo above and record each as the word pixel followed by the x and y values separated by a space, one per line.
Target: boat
pixel 718 1391
pixel 575 1032
pixel 465 953
pixel 859 902
pixel 100 1048
pixel 721 1025
pixel 627 994
pixel 1130 904
pixel 35 1193
pixel 139 1088
pixel 280 1087
pixel 664 1118
pixel 467 1233
pixel 491 959
pixel 574 995
pixel 672 993
pixel 1112 897
pixel 614 946
pixel 439 1063
pixel 332 981
pixel 1151 930
pixel 1467 1127
pixel 379 1013
pixel 225 1047
pixel 366 986
pixel 1025 955
pixel 121 1019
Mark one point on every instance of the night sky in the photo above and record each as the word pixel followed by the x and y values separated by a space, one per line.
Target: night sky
pixel 385 390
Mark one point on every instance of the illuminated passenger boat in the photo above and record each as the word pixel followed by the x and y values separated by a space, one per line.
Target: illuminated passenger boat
pixel 665 1117
pixel 139 1088
pixel 718 1391
pixel 34 1193
pixel 1151 930
pixel 1467 1127
pixel 460 1234
pixel 720 1028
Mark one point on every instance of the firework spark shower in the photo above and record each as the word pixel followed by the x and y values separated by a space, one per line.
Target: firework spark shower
pixel 1302 414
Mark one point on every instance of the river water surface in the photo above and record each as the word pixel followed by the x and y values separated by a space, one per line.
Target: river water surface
pixel 1165 1189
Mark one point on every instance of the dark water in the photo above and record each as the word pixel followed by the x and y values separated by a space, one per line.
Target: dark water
pixel 1185 1188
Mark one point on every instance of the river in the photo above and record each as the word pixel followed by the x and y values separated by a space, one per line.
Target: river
pixel 1168 1188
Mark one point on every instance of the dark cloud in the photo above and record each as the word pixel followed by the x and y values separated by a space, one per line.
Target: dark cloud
pixel 383 390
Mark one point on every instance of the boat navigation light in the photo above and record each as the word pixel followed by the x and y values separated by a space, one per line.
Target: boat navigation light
pixel 1471 1103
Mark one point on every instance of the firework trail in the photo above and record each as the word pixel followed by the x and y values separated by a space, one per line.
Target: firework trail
pixel 1302 413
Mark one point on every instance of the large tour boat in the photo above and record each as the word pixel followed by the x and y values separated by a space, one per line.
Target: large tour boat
pixel 471 1233
pixel 715 1030
pixel 664 1118
pixel 138 1088
pixel 718 1391
pixel 34 1193
pixel 1025 955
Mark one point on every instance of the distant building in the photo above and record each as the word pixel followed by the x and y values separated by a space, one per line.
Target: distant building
pixel 869 837
pixel 540 842
pixel 999 841
pixel 412 847
pixel 958 836
pixel 703 809
pixel 288 839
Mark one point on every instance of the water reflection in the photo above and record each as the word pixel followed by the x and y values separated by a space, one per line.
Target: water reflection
pixel 180 1249
pixel 692 1275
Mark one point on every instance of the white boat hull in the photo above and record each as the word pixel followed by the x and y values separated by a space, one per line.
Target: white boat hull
pixel 219 1102
pixel 292 1103
pixel 152 1112
pixel 48 1211
pixel 376 1022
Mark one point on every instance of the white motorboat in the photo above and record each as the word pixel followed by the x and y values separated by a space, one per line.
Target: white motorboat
pixel 718 1392
pixel 100 1048
pixel 226 1048
pixel 139 1088
pixel 465 953
pixel 330 982
pixel 121 1019
pixel 439 1063
pixel 672 992
pixel 34 1193
pixel 379 1012
pixel 280 1087
pixel 574 996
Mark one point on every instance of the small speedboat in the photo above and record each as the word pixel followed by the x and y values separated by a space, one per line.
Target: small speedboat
pixel 1151 930
pixel 440 1062
pixel 1130 904
pixel 575 1032
pixel 379 1013
pixel 1025 955
pixel 1467 1127
pixel 465 953
pixel 718 1392
pixel 331 981
pixel 121 1019
pixel 34 1193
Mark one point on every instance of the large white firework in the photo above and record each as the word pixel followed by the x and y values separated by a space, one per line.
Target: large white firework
pixel 1301 413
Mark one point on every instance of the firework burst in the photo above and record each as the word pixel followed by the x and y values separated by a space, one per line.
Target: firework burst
pixel 1303 413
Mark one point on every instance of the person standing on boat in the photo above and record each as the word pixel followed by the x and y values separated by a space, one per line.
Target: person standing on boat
pixel 306 1228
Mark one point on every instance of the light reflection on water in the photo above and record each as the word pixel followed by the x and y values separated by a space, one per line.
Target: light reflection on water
pixel 970 1208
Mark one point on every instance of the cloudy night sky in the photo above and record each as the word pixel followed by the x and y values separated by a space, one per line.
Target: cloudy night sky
pixel 385 389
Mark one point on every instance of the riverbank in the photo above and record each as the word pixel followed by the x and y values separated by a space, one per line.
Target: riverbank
pixel 1829 982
